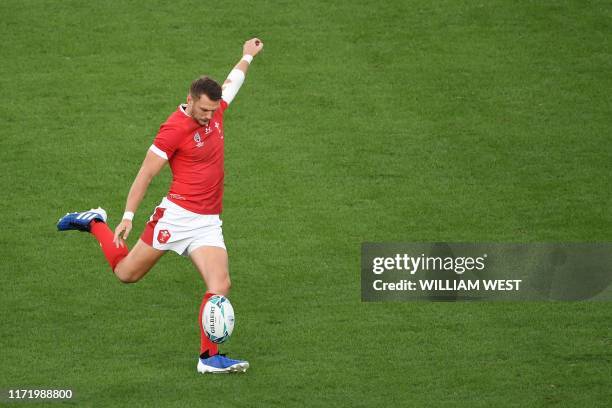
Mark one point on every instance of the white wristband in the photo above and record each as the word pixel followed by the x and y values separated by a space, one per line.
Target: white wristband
pixel 248 58
pixel 128 215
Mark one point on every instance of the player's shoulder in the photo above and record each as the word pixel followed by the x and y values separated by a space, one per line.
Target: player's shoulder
pixel 179 122
pixel 223 105
pixel 221 110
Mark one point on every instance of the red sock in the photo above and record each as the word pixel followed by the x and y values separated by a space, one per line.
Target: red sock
pixel 105 237
pixel 205 343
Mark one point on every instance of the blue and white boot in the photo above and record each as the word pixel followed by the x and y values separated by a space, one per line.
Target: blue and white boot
pixel 80 220
pixel 220 364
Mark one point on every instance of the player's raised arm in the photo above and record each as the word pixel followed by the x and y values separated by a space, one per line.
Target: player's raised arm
pixel 235 79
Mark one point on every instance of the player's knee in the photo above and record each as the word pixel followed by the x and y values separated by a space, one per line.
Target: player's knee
pixel 222 287
pixel 126 276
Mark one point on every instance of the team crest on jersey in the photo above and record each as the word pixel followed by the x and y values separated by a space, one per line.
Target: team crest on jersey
pixel 198 139
pixel 163 236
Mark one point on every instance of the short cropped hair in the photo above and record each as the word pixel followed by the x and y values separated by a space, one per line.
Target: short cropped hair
pixel 207 86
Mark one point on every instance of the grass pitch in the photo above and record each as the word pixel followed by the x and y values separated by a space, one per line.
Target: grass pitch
pixel 360 121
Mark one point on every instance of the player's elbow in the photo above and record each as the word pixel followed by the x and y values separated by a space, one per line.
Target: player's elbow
pixel 147 177
pixel 146 174
pixel 230 88
pixel 142 181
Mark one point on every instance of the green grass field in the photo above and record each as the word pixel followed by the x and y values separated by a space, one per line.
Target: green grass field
pixel 361 121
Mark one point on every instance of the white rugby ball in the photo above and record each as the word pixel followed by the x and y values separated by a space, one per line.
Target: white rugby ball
pixel 218 319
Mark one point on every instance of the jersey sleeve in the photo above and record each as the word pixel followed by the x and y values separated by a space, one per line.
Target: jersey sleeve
pixel 223 106
pixel 166 142
pixel 234 81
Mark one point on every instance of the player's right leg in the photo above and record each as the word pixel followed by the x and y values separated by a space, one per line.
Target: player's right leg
pixel 128 266
pixel 212 263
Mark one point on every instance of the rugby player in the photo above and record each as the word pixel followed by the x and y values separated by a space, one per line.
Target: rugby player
pixel 187 220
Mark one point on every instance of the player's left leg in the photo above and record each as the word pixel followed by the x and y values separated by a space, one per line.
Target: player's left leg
pixel 137 263
pixel 128 266
pixel 94 222
pixel 212 263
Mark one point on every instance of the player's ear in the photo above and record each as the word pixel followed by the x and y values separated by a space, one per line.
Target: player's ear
pixel 189 98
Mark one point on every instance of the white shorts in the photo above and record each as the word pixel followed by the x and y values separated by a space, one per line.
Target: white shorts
pixel 173 228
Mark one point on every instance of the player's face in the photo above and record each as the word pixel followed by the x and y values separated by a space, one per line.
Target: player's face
pixel 203 109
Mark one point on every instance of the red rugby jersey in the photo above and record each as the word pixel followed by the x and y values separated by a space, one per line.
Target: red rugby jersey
pixel 195 156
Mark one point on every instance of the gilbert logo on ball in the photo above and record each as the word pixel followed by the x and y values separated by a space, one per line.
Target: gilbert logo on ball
pixel 218 319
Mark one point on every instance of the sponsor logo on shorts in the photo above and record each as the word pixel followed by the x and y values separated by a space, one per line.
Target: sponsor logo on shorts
pixel 163 236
